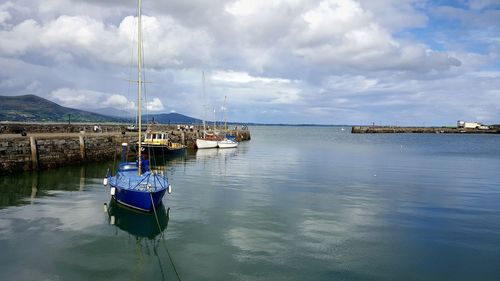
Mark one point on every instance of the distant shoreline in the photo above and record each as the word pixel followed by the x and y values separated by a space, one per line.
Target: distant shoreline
pixel 364 128
pixel 422 130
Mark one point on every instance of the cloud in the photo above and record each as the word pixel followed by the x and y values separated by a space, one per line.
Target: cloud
pixel 119 102
pixel 353 84
pixel 169 44
pixel 85 99
pixel 341 61
pixel 243 77
pixel 340 33
pixel 155 105
pixel 4 13
pixel 481 4
pixel 247 89
pixel 396 15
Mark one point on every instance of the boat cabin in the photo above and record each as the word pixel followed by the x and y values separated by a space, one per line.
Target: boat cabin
pixel 156 137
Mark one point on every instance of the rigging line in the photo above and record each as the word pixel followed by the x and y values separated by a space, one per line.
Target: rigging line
pixel 159 262
pixel 145 96
pixel 130 69
pixel 154 211
pixel 139 182
pixel 163 238
pixel 170 257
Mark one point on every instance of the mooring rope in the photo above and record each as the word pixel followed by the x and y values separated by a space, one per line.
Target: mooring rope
pixel 159 261
pixel 163 237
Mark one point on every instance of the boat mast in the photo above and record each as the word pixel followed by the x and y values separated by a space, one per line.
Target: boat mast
pixel 215 117
pixel 224 114
pixel 139 82
pixel 204 101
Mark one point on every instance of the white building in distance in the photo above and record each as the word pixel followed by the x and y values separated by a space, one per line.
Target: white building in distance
pixel 471 125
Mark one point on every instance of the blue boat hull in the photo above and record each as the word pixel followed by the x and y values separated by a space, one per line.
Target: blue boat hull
pixel 139 200
pixel 142 191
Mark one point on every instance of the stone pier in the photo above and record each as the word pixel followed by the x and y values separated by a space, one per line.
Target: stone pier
pixel 420 130
pixel 25 148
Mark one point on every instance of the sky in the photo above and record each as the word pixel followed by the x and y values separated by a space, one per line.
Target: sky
pixel 388 62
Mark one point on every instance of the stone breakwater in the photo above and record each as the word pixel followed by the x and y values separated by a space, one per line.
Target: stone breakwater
pixel 428 130
pixel 38 152
pixel 48 146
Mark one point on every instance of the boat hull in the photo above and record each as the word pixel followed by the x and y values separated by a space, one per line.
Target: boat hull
pixel 201 143
pixel 143 192
pixel 227 144
pixel 139 200
pixel 159 150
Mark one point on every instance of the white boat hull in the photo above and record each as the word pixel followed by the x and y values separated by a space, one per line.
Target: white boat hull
pixel 201 143
pixel 227 144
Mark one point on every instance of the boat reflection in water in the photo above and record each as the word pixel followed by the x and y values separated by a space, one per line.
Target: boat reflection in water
pixel 138 224
pixel 148 229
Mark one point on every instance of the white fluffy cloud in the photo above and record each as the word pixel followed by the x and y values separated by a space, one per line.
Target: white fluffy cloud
pixel 243 77
pixel 118 102
pixel 248 89
pixel 351 61
pixel 155 105
pixel 4 12
pixel 87 99
pixel 168 44
pixel 325 34
pixel 340 33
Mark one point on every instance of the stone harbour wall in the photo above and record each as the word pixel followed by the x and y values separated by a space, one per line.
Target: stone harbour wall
pixel 15 155
pixel 45 152
pixel 34 151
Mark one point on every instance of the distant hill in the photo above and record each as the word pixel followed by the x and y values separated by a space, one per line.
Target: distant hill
pixel 109 111
pixel 31 108
pixel 172 118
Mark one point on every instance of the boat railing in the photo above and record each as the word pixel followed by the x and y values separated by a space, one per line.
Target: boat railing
pixel 143 184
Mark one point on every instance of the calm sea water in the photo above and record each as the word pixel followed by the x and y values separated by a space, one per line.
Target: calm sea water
pixel 294 203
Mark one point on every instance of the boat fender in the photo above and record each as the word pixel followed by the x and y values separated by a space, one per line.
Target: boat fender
pixel 112 220
pixel 105 180
pixel 169 189
pixel 112 191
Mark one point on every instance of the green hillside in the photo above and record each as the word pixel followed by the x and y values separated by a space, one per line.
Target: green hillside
pixel 172 118
pixel 31 108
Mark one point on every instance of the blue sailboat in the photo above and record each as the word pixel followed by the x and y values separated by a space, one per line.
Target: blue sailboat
pixel 134 184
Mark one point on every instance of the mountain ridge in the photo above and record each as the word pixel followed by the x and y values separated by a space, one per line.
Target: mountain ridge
pixel 26 108
pixel 32 108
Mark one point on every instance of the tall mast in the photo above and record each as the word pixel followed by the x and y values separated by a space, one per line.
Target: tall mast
pixel 139 82
pixel 215 124
pixel 224 114
pixel 204 101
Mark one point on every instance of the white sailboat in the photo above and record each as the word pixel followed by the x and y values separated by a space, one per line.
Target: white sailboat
pixel 226 142
pixel 208 140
